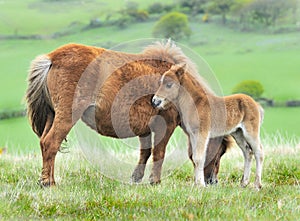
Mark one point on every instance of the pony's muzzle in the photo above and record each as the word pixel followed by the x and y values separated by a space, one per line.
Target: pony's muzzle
pixel 156 101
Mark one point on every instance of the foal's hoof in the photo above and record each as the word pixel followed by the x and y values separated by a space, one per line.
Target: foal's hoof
pixel 258 186
pixel 200 184
pixel 244 184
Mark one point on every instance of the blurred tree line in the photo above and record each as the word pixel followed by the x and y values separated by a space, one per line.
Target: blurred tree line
pixel 266 12
pixel 172 18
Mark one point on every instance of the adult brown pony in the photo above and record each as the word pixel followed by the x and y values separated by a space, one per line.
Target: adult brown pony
pixel 82 82
pixel 205 115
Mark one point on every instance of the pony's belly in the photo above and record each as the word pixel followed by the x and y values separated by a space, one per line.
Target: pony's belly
pixel 120 126
pixel 122 131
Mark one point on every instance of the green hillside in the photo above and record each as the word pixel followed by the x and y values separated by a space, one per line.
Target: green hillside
pixel 234 56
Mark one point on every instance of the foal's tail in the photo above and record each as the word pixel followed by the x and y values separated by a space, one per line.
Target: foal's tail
pixel 228 142
pixel 261 113
pixel 37 96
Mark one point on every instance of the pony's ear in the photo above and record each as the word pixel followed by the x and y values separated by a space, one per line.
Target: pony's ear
pixel 180 69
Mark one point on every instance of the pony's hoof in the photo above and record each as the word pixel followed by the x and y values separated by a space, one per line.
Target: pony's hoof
pixel 154 180
pixel 45 183
pixel 137 176
pixel 212 181
pixel 153 183
pixel 135 180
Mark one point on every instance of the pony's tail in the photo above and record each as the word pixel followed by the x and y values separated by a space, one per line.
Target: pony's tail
pixel 37 96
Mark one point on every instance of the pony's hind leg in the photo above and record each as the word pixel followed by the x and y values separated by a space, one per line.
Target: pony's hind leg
pixel 247 153
pixel 145 153
pixel 50 144
pixel 45 179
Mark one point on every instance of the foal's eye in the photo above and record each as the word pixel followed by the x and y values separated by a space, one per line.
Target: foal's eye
pixel 169 85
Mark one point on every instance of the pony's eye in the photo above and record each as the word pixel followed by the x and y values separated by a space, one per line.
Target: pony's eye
pixel 169 85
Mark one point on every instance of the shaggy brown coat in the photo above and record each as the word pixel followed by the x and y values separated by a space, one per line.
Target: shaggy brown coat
pixel 78 81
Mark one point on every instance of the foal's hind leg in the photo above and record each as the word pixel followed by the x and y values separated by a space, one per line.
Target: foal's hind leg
pixel 256 146
pixel 247 152
pixel 190 150
pixel 145 152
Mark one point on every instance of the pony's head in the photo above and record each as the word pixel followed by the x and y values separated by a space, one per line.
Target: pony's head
pixel 169 87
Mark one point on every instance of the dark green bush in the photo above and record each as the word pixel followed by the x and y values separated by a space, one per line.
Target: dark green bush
pixel 139 15
pixel 156 8
pixel 123 21
pixel 249 87
pixel 172 25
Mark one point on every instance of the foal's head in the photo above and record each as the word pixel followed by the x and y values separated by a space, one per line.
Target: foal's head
pixel 169 87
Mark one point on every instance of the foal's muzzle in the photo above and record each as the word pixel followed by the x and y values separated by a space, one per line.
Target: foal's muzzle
pixel 156 102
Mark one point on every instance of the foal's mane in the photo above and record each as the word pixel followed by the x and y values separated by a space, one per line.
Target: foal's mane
pixel 170 52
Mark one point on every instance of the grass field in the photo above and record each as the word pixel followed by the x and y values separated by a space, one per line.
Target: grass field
pixel 82 192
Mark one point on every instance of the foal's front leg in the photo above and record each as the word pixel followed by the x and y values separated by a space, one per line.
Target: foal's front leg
pixel 199 143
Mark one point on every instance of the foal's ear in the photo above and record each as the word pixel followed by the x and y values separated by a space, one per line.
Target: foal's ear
pixel 180 69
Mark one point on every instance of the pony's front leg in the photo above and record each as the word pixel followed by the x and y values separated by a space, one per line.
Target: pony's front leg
pixel 145 153
pixel 160 142
pixel 199 143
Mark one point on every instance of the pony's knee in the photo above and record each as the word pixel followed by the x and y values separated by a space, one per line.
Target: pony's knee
pixel 49 146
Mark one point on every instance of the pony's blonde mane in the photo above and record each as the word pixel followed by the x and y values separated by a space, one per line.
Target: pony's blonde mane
pixel 170 52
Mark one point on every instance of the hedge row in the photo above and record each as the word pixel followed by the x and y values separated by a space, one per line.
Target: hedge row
pixel 6 114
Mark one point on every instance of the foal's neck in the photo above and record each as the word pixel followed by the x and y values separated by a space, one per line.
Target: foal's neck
pixel 193 90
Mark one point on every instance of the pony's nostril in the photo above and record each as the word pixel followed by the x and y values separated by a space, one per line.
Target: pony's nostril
pixel 156 102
